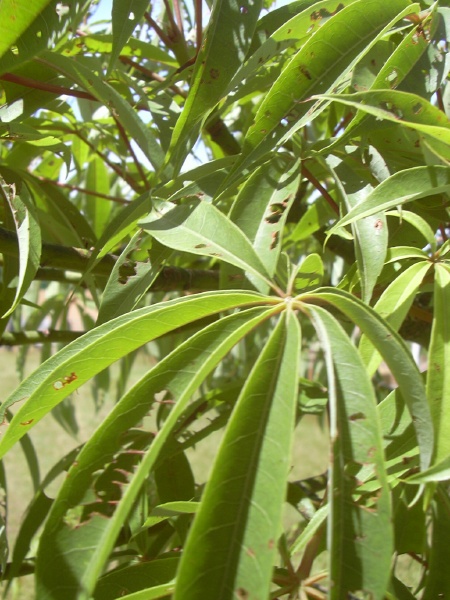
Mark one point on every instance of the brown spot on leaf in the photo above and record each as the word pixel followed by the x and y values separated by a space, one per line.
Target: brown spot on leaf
pixel 359 416
pixel 305 72
pixel 214 73
pixel 275 237
pixel 27 422
pixel 242 594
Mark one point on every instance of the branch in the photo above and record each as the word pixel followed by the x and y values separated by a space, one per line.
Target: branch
pixel 56 259
pixel 26 338
pixel 319 187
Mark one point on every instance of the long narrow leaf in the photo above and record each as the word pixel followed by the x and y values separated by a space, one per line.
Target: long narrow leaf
pixel 287 106
pixel 438 376
pixel 396 355
pixel 223 50
pixel 402 187
pixel 200 228
pixel 230 549
pixel 90 546
pixel 360 537
pixel 79 361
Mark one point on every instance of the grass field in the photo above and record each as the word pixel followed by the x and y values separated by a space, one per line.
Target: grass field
pixel 51 442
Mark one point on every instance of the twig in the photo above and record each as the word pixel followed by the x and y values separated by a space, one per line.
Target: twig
pixel 139 168
pixel 26 338
pixel 198 8
pixel 159 32
pixel 77 188
pixel 319 187
pixel 178 16
pixel 45 87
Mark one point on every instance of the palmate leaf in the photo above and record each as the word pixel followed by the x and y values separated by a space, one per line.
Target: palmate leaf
pixel 399 64
pixel 107 95
pixel 79 361
pixel 230 549
pixel 370 236
pixel 397 356
pixel 260 211
pixel 360 536
pixel 81 553
pixel 290 32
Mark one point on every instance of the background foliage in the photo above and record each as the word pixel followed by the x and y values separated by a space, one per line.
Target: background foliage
pixel 257 197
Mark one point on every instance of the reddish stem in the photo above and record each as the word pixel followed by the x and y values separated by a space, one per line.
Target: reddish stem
pixel 76 188
pixel 132 153
pixel 319 187
pixel 45 87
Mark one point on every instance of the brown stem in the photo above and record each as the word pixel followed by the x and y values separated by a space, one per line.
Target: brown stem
pixel 174 27
pixel 77 188
pixel 319 187
pixel 151 75
pixel 67 258
pixel 120 172
pixel 440 100
pixel 45 87
pixel 178 16
pixel 159 32
pixel 26 338
pixel 198 7
pixel 139 168
pixel 342 123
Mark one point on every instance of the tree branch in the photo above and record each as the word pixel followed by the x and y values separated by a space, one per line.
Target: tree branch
pixel 27 338
pixel 57 259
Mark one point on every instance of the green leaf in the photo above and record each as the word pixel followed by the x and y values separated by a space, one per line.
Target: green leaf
pixel 200 228
pixel 98 210
pixel 307 275
pixel 437 582
pixel 230 549
pixel 222 52
pixel 126 14
pixel 82 552
pixel 107 95
pixel 287 106
pixel 393 306
pixel 418 222
pixel 393 72
pixel 360 536
pixel 159 591
pixel 370 235
pixel 398 358
pixel 121 295
pixel 438 382
pixel 63 373
pixel 292 32
pixel 33 26
pixel 401 108
pixel 15 17
pixel 136 578
pixel 402 187
pixel 29 239
pixel 262 206
pixel 316 522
